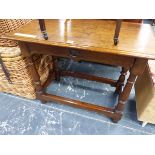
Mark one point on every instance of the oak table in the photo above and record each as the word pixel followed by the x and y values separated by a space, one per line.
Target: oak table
pixel 89 40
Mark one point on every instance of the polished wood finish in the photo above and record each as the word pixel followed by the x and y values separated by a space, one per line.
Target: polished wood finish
pixel 82 55
pixel 116 35
pixel 90 40
pixel 136 40
pixel 79 104
pixel 136 70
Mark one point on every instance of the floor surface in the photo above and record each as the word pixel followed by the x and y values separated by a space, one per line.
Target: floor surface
pixel 20 116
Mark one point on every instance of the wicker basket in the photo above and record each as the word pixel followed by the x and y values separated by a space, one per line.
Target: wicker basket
pixel 17 66
pixel 8 25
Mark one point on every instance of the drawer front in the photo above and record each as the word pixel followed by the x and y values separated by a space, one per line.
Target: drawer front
pixel 83 55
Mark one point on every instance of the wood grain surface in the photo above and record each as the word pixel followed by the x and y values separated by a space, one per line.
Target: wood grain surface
pixel 135 40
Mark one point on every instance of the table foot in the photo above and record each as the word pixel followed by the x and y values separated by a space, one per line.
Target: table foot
pixel 117 116
pixel 115 120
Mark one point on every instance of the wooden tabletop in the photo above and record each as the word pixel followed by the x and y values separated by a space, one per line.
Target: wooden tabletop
pixel 136 40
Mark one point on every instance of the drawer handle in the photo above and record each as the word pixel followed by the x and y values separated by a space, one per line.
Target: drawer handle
pixel 73 53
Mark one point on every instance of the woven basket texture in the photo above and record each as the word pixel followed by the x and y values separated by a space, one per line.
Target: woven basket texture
pixel 8 25
pixel 17 65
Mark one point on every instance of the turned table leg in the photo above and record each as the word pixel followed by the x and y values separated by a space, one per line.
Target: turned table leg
pixel 35 76
pixel 120 82
pixel 124 96
pixel 136 70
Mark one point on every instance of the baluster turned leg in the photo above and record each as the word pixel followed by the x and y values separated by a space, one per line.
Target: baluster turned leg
pixel 35 76
pixel 120 82
pixel 136 70
pixel 56 69
pixel 124 96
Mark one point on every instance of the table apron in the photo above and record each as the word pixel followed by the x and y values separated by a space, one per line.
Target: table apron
pixel 82 55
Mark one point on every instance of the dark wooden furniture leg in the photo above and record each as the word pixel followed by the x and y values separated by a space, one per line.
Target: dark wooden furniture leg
pixel 120 82
pixel 136 70
pixel 124 96
pixel 117 31
pixel 56 68
pixel 35 76
pixel 43 28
